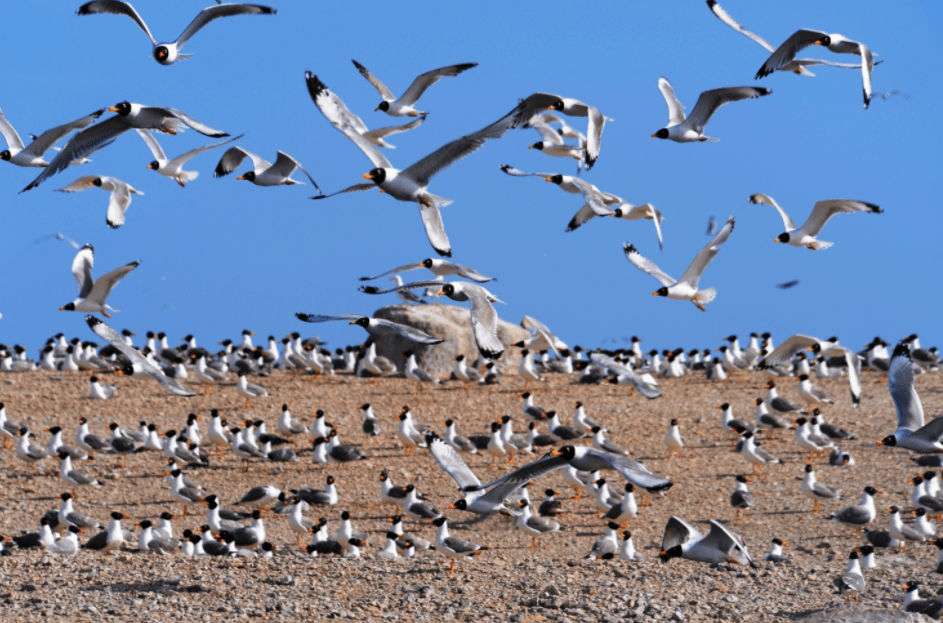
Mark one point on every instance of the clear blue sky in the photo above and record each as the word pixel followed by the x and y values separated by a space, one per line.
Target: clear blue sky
pixel 223 255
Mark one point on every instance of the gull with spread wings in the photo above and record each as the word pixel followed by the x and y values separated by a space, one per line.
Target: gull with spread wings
pixel 94 292
pixel 690 129
pixel 440 268
pixel 806 236
pixel 174 168
pixel 484 320
pixel 684 289
pixel 375 326
pixel 32 156
pixel 139 362
pixel 822 348
pixel 403 106
pixel 911 432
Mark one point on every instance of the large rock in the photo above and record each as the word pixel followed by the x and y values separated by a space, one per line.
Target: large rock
pixel 860 614
pixel 451 323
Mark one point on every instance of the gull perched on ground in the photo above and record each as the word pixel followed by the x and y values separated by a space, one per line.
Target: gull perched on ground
pixel 118 201
pixel 169 53
pixel 174 168
pixel 93 293
pixel 598 203
pixel 911 432
pixel 411 183
pixel 32 156
pixel 823 211
pixel 374 326
pixel 130 116
pixel 403 106
pixel 440 268
pixel 263 172
pixel 138 361
pixel 796 65
pixel 785 54
pixel 690 129
pixel 684 289
pixel 484 320
pixel 341 117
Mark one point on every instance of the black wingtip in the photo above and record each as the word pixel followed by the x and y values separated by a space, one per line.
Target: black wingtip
pixel 629 247
pixel 369 289
pixel 302 317
pixel 444 252
pixel 92 321
pixel 321 196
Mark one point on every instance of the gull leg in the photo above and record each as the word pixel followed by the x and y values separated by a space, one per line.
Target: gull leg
pixel 533 542
pixel 451 567
pixel 815 509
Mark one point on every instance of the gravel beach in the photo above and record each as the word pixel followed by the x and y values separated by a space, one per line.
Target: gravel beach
pixel 508 582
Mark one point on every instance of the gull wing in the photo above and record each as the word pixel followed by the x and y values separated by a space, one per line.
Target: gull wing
pixel 709 101
pixel 118 203
pixel 722 15
pixel 12 138
pixel 452 464
pixel 785 351
pixel 332 107
pixel 596 123
pixel 646 265
pixel 675 109
pixel 83 143
pixel 181 159
pixel 484 321
pixel 516 173
pixel 760 198
pixel 788 49
pixel 900 382
pixel 370 150
pixel 585 214
pixel 393 129
pixel 854 368
pixel 531 323
pixel 632 470
pixel 693 274
pixel 426 80
pixel 435 229
pixel 410 333
pixel 721 538
pixel 529 472
pixel 152 144
pixel 356 188
pixel 646 389
pixel 284 165
pixel 469 273
pixel 679 532
pixel 47 139
pixel 548 134
pixel 385 92
pixel 398 269
pixel 867 64
pixel 826 209
pixel 82 269
pixel 406 286
pixel 325 318
pixel 106 283
pixel 202 128
pixel 108 334
pixel 115 7
pixel 79 185
pixel 208 14
pixel 234 156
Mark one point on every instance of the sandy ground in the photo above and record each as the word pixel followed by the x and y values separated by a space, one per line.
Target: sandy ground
pixel 507 582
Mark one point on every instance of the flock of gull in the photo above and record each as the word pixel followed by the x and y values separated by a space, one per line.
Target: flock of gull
pixel 242 532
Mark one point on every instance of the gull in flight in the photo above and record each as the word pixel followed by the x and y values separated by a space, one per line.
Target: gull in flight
pixel 375 326
pixel 174 168
pixel 119 200
pixel 484 319
pixel 411 183
pixel 823 211
pixel 94 292
pixel 684 289
pixel 690 129
pixel 785 54
pixel 19 154
pixel 403 106
pixel 263 172
pixel 334 109
pixel 598 203
pixel 169 53
pixel 822 348
pixel 130 116
pixel 796 65
pixel 440 268
pixel 139 362
pixel 911 434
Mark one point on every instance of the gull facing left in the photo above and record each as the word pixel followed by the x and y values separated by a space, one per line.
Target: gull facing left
pixel 686 288
pixel 93 293
pixel 806 236
pixel 118 201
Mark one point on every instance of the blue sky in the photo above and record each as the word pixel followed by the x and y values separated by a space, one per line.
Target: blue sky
pixel 223 255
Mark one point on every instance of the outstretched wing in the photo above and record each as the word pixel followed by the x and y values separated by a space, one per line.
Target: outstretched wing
pixel 722 15
pixel 709 101
pixel 152 144
pixel 115 7
pixel 451 463
pixel 693 274
pixel 785 351
pixel 332 107
pixel 679 532
pixel 325 318
pixel 406 286
pixel 79 185
pixel 12 138
pixel 398 269
pixel 900 383
pixel 106 283
pixel 47 139
pixel 385 92
pixel 646 265
pixel 767 200
pixel 516 173
pixel 234 156
pixel 182 158
pixel 410 333
pixel 825 210
pixel 208 14
pixel 675 109
pixel 426 80
pixel 645 388
pixel 82 269
pixel 787 51
pixel 108 334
